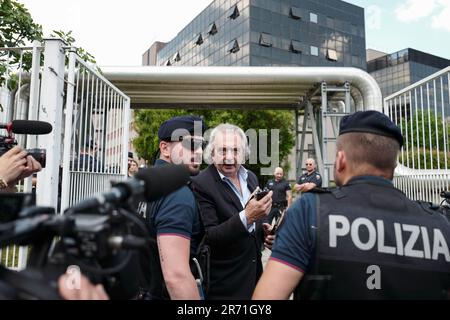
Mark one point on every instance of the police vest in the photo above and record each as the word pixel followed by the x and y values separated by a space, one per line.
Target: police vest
pixel 372 242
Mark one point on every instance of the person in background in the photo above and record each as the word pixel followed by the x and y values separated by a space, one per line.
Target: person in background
pixel 133 168
pixel 310 179
pixel 282 195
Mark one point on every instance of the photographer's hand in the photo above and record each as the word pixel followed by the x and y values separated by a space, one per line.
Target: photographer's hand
pixel 32 166
pixel 12 165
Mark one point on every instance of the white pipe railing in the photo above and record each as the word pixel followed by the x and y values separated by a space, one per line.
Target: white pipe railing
pixel 422 111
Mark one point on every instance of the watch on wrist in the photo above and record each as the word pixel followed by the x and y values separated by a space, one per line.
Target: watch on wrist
pixel 3 184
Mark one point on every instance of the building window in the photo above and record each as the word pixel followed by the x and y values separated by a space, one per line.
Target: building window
pixel 212 30
pixel 314 51
pixel 313 17
pixel 199 40
pixel 176 57
pixel 295 46
pixel 332 55
pixel 330 22
pixel 295 13
pixel 234 13
pixel 265 40
pixel 233 46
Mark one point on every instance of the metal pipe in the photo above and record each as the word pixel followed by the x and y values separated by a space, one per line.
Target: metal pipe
pixel 200 79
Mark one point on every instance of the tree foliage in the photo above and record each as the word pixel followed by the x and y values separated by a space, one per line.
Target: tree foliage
pixel 147 123
pixel 17 28
pixel 429 132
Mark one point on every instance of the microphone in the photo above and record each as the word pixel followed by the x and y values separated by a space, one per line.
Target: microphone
pixel 152 183
pixel 27 127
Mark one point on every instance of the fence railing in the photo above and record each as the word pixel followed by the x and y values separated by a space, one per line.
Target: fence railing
pixel 96 133
pixel 422 111
pixel 19 100
pixel 88 145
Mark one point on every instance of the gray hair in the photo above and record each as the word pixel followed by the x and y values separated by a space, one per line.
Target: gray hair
pixel 226 127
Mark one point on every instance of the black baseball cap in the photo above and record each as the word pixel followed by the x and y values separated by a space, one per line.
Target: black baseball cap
pixel 371 122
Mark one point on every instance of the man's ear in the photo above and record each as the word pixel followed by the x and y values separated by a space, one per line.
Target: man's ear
pixel 341 161
pixel 164 149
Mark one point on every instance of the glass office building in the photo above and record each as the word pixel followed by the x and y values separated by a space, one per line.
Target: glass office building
pixel 270 33
pixel 398 70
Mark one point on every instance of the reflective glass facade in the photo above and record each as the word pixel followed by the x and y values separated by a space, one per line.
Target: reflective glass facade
pixel 271 33
pixel 398 70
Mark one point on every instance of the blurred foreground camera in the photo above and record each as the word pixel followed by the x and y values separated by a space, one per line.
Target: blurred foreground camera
pixel 100 235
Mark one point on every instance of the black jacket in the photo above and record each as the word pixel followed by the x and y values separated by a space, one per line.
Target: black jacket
pixel 235 253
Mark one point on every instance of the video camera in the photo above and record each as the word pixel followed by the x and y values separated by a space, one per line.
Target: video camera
pixel 24 127
pixel 99 235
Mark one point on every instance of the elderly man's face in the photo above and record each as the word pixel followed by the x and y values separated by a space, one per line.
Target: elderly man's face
pixel 189 151
pixel 228 153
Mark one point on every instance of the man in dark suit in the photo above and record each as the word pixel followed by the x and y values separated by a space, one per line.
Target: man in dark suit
pixel 232 222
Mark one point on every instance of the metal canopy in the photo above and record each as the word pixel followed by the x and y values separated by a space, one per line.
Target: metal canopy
pixel 236 87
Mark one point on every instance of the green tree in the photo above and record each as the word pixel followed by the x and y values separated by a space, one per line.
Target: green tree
pixel 431 127
pixel 70 40
pixel 17 28
pixel 147 123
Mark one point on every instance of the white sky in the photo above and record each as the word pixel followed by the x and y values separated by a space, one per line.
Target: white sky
pixel 117 33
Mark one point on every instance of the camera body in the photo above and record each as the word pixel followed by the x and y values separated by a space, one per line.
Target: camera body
pixel 6 144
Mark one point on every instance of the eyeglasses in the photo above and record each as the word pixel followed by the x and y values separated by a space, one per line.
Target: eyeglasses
pixel 191 143
pixel 308 164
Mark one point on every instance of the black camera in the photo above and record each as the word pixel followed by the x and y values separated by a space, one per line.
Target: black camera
pixel 259 194
pixel 11 204
pixel 6 144
pixel 102 235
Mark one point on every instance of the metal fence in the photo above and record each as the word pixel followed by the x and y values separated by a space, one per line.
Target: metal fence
pixel 422 111
pixel 90 117
pixel 96 133
pixel 19 100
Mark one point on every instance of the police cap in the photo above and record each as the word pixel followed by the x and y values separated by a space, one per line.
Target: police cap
pixel 189 123
pixel 371 122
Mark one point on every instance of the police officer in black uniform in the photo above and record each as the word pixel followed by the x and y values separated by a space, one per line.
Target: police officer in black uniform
pixel 310 179
pixel 169 271
pixel 364 239
pixel 281 197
